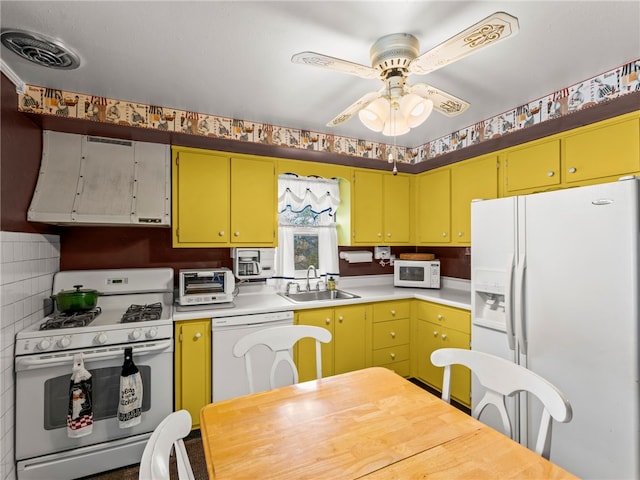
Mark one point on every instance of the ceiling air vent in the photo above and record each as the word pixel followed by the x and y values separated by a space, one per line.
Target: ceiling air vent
pixel 40 50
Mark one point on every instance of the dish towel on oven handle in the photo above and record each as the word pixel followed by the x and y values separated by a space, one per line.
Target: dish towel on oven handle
pixel 130 404
pixel 80 413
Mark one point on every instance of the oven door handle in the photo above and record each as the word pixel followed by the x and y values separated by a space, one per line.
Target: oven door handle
pixel 39 361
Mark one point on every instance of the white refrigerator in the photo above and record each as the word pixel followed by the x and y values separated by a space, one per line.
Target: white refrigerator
pixel 554 281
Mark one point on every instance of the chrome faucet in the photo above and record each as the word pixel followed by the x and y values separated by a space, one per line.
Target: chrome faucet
pixel 292 284
pixel 315 275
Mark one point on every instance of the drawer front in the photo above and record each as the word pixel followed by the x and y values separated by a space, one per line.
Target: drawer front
pixel 384 311
pixel 387 355
pixel 401 368
pixel 388 334
pixel 446 316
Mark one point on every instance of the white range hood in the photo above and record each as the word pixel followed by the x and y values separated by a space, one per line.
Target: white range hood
pixel 87 180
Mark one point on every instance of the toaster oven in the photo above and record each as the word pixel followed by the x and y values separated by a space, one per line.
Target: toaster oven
pixel 198 287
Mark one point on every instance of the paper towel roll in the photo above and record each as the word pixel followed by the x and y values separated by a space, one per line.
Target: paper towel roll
pixel 358 256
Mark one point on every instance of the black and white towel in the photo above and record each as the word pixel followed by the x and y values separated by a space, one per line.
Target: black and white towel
pixel 130 404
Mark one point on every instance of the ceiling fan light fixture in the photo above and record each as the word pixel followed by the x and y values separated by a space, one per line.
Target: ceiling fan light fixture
pixel 415 109
pixel 374 115
pixel 396 124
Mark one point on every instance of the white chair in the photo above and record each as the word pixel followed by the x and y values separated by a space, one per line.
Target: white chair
pixel 502 378
pixel 155 458
pixel 280 340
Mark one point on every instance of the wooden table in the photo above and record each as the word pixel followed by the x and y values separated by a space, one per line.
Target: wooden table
pixel 370 424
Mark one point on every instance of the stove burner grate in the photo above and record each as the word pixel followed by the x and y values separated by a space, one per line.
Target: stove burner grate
pixel 70 320
pixel 141 313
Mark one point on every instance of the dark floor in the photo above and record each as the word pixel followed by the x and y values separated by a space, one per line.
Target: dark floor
pixel 435 392
pixel 193 444
pixel 195 452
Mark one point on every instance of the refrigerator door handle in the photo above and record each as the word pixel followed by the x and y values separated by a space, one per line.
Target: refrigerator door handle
pixel 508 306
pixel 520 332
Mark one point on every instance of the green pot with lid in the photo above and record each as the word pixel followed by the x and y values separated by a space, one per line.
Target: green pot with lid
pixel 77 300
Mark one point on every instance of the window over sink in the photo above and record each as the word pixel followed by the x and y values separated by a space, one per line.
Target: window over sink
pixel 307 230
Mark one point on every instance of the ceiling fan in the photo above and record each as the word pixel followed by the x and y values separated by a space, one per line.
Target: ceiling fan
pixel 399 106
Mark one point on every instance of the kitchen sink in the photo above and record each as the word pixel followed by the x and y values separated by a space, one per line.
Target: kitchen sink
pixel 315 296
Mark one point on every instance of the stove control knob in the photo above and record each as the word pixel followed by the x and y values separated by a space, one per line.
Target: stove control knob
pixel 135 335
pixel 101 338
pixel 152 332
pixel 64 342
pixel 43 344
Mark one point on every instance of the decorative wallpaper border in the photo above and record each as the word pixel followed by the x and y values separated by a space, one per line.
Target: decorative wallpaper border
pixel 600 88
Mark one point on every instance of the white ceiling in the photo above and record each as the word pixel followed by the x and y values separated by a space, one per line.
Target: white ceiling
pixel 232 58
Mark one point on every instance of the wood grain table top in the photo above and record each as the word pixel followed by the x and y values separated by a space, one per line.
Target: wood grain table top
pixel 369 423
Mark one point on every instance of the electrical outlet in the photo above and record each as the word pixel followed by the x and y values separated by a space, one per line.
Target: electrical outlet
pixel 382 253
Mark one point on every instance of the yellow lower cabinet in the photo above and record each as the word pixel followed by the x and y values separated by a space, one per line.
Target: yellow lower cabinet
pixel 305 349
pixel 433 335
pixel 349 346
pixel 392 336
pixel 192 366
pixel 350 338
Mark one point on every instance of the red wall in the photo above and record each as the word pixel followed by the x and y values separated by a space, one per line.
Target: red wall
pixel 20 149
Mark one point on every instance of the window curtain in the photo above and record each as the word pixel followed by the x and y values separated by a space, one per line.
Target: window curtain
pixel 307 205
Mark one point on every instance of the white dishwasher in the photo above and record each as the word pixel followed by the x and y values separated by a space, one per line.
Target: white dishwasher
pixel 228 375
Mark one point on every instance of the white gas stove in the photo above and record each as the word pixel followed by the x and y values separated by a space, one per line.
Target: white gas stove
pixel 150 289
pixel 44 357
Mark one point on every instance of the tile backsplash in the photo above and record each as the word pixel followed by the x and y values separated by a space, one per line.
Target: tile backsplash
pixel 28 262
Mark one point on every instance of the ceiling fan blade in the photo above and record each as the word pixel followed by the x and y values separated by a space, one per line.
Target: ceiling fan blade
pixel 354 108
pixel 336 64
pixel 443 102
pixel 493 29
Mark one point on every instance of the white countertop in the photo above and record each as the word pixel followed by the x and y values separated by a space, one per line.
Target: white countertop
pixel 263 298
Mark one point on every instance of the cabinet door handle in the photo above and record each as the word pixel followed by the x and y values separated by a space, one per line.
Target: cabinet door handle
pixel 393 356
pixel 444 336
pixel 572 170
pixel 393 334
pixel 444 234
pixel 550 173
pixel 460 234
pixel 221 233
pixel 197 335
pixel 236 234
pixel 439 316
pixel 327 321
pixel 379 235
pixel 393 313
pixel 435 334
pixel 340 318
pixel 389 235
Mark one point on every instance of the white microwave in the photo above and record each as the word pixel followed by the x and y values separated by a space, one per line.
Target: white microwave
pixel 416 273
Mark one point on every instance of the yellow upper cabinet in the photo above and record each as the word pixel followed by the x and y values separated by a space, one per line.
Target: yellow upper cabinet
pixel 254 197
pixel 381 208
pixel 200 198
pixel 433 207
pixel 219 200
pixel 476 179
pixel 444 200
pixel 397 208
pixel 610 148
pixel 532 167
pixel 596 153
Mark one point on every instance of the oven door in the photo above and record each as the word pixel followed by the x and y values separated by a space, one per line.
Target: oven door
pixel 42 396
